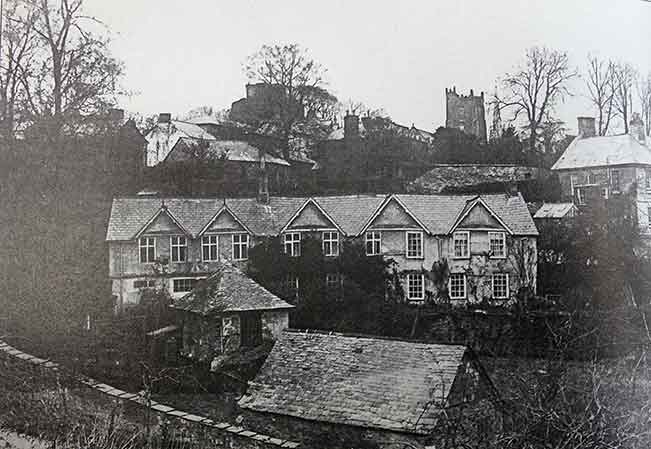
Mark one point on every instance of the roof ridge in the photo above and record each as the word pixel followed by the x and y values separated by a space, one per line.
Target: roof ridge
pixel 362 336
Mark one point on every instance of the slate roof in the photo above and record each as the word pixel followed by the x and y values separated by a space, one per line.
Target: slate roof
pixel 445 176
pixel 369 382
pixel 231 150
pixel 554 210
pixel 351 212
pixel 228 290
pixel 602 151
pixel 192 130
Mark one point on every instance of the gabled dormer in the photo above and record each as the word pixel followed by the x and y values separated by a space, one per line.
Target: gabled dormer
pixel 393 215
pixel 311 217
pixel 224 221
pixel 163 222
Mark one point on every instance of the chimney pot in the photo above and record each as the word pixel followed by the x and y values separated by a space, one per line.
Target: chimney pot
pixel 586 126
pixel 636 128
pixel 164 117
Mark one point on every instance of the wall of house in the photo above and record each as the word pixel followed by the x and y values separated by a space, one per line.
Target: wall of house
pixel 160 141
pixel 273 323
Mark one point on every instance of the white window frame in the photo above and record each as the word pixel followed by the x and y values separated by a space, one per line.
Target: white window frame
pixel 242 244
pixel 412 278
pixel 333 280
pixel 174 280
pixel 149 283
pixel 330 243
pixel 502 237
pixel 580 196
pixel 208 244
pixel 150 243
pixel 420 253
pixel 465 286
pixel 466 235
pixel 294 243
pixel 507 290
pixel 374 238
pixel 178 247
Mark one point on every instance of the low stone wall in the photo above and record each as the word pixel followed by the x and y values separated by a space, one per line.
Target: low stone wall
pixel 233 436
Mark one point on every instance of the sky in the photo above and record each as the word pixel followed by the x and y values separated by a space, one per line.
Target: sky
pixel 395 55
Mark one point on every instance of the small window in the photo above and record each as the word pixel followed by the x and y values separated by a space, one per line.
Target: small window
pixel 415 286
pixel 290 286
pixel 373 243
pixel 147 249
pixel 183 285
pixel 497 244
pixel 330 243
pixel 500 285
pixel 614 180
pixel 179 245
pixel 240 246
pixel 461 244
pixel 210 248
pixel 591 179
pixel 144 283
pixel 332 280
pixel 414 245
pixel 292 243
pixel 457 286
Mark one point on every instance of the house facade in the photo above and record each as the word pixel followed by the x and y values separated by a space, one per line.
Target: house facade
pixel 595 167
pixel 485 245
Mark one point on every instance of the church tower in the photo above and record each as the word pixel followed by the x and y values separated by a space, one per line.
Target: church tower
pixel 466 113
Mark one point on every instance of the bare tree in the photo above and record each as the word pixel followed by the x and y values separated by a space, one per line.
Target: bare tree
pixel 624 76
pixel 18 45
pixel 536 87
pixel 73 76
pixel 295 83
pixel 644 95
pixel 601 86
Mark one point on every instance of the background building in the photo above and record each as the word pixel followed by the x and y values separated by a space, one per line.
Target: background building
pixel 466 113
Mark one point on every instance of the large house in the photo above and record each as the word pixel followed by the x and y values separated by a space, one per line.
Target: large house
pixel 342 391
pixel 604 166
pixel 488 241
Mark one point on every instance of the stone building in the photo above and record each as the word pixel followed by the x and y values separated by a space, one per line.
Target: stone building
pixel 339 391
pixel 228 311
pixel 466 113
pixel 488 241
pixel 600 167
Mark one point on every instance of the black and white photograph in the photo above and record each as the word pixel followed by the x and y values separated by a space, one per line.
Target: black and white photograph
pixel 325 224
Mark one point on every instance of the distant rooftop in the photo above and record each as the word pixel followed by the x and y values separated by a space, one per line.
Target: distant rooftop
pixel 603 151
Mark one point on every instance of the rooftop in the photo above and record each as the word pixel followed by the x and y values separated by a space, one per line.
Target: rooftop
pixel 603 151
pixel 230 150
pixel 554 210
pixel 361 381
pixel 437 213
pixel 444 177
pixel 228 289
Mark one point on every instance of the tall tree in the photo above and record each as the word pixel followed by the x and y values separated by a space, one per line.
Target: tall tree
pixel 536 87
pixel 644 94
pixel 296 85
pixel 73 75
pixel 624 76
pixel 600 82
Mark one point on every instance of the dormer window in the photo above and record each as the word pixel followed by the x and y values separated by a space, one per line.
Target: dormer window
pixel 147 247
pixel 330 243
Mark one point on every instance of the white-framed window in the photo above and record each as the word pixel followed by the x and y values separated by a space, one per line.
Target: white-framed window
pixel 210 248
pixel 414 244
pixel 290 285
pixel 500 285
pixel 147 246
pixel 144 283
pixel 497 244
pixel 457 286
pixel 330 241
pixel 183 285
pixel 415 286
pixel 179 248
pixel 373 243
pixel 461 244
pixel 292 243
pixel 614 180
pixel 240 246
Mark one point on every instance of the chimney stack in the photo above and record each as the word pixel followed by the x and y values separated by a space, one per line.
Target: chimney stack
pixel 636 128
pixel 586 127
pixel 164 117
pixel 351 126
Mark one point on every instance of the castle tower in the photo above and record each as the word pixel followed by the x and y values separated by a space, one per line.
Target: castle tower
pixel 466 113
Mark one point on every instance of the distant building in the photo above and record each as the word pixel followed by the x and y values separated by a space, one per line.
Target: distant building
pixel 164 135
pixel 466 113
pixel 594 167
pixel 341 391
pixel 263 102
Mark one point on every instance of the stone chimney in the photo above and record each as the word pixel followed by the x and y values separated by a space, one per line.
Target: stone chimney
pixel 116 115
pixel 587 127
pixel 351 126
pixel 636 128
pixel 263 180
pixel 164 117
